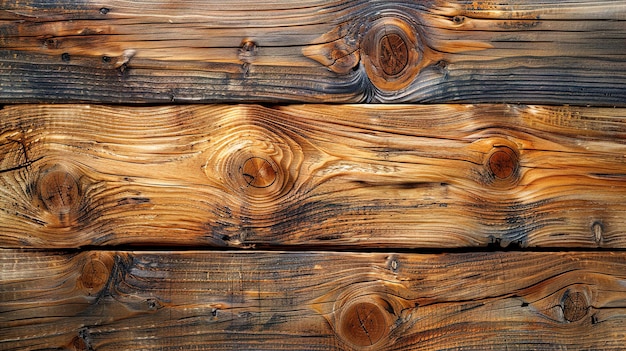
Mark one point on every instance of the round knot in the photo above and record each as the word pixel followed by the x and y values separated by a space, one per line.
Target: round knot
pixel 253 161
pixel 575 306
pixel 394 54
pixel 78 344
pixel 502 163
pixel 95 273
pixel 391 53
pixel 363 323
pixel 258 172
pixel 59 193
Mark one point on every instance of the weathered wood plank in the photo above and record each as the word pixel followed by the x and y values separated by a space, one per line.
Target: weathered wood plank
pixel 433 176
pixel 104 300
pixel 428 51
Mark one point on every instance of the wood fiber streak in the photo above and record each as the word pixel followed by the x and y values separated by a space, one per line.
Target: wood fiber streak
pixel 97 300
pixel 116 51
pixel 431 176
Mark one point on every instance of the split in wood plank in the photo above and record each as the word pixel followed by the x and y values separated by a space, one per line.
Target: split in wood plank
pixel 120 51
pixel 104 300
pixel 434 176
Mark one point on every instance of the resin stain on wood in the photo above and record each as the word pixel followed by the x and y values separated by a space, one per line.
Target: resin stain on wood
pixel 322 176
pixel 331 51
pixel 308 301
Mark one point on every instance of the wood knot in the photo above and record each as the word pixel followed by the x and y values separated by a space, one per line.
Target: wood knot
pixel 394 54
pixel 247 51
pixel 503 164
pixel 60 193
pixel 95 273
pixel 254 162
pixel 575 306
pixel 363 324
pixel 78 344
pixel 258 172
pixel 597 229
pixel 247 54
pixel 391 53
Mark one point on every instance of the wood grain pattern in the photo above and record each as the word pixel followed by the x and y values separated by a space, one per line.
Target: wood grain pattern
pixel 106 300
pixel 121 51
pixel 434 176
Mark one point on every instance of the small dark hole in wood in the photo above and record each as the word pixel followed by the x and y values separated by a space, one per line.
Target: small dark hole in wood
pixel 104 11
pixel 65 57
pixel 152 304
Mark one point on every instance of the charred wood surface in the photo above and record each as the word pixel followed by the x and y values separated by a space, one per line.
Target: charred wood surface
pixel 550 52
pixel 107 300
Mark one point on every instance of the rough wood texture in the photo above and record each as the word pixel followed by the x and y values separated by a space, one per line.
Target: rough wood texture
pixel 422 51
pixel 100 300
pixel 437 176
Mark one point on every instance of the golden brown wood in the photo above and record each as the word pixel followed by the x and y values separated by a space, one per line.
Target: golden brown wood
pixel 435 176
pixel 121 51
pixel 108 300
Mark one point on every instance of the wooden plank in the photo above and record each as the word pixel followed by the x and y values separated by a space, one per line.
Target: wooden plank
pixel 433 176
pixel 106 300
pixel 121 51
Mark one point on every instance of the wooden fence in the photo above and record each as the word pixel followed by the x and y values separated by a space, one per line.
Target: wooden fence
pixel 167 184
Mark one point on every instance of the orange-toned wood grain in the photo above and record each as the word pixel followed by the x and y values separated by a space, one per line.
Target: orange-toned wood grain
pixel 323 176
pixel 122 51
pixel 112 300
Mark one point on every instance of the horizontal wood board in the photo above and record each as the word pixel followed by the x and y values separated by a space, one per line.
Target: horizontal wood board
pixel 112 300
pixel 313 176
pixel 550 52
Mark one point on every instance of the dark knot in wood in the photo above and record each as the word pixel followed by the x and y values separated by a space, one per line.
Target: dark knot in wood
pixel 503 163
pixel 59 192
pixel 363 324
pixel 391 53
pixel 258 172
pixel 575 306
pixel 394 54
